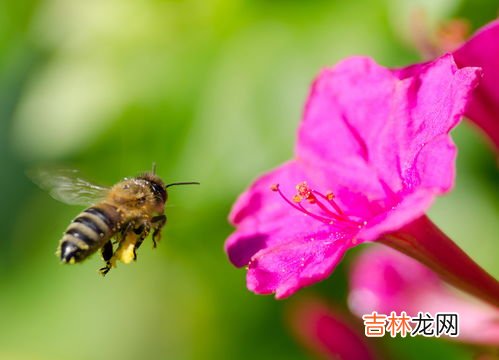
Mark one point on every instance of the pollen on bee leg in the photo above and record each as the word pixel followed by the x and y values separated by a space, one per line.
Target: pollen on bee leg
pixel 125 252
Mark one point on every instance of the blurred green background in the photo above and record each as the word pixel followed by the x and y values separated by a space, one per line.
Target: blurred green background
pixel 211 91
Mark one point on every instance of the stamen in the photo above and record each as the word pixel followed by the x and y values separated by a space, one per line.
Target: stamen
pixel 275 187
pixel 328 211
pixel 320 218
pixel 330 198
pixel 332 214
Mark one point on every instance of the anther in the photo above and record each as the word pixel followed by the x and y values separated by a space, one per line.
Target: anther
pixel 303 190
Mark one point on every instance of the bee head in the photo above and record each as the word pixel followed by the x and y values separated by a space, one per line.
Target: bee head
pixel 157 185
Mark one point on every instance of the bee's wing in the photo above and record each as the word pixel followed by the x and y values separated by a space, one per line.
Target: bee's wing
pixel 67 186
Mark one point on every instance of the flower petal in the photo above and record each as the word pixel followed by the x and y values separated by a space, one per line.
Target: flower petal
pixel 328 331
pixel 385 133
pixel 258 203
pixel 347 106
pixel 285 268
pixel 430 178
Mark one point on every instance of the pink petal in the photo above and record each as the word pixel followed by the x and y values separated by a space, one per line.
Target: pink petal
pixel 285 268
pixel 328 332
pixel 483 50
pixel 381 279
pixel 363 115
pixel 411 206
pixel 348 106
pixel 259 204
pixel 431 176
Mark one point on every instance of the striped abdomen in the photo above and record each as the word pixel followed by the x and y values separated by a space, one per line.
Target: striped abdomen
pixel 88 232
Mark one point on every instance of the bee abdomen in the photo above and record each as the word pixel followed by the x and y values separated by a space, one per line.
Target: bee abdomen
pixel 88 232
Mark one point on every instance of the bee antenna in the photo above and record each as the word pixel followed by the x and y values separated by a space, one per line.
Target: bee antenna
pixel 154 168
pixel 182 183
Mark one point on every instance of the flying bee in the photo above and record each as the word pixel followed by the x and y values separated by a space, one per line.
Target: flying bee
pixel 125 214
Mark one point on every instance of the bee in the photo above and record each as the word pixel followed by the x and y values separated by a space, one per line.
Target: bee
pixel 125 214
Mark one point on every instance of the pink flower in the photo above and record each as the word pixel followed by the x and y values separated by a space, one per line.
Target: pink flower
pixel 384 280
pixel 328 333
pixel 379 138
pixel 482 50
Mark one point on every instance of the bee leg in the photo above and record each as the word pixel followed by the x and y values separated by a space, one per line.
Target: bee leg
pixel 158 223
pixel 129 227
pixel 107 254
pixel 104 270
pixel 143 231
pixel 139 230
